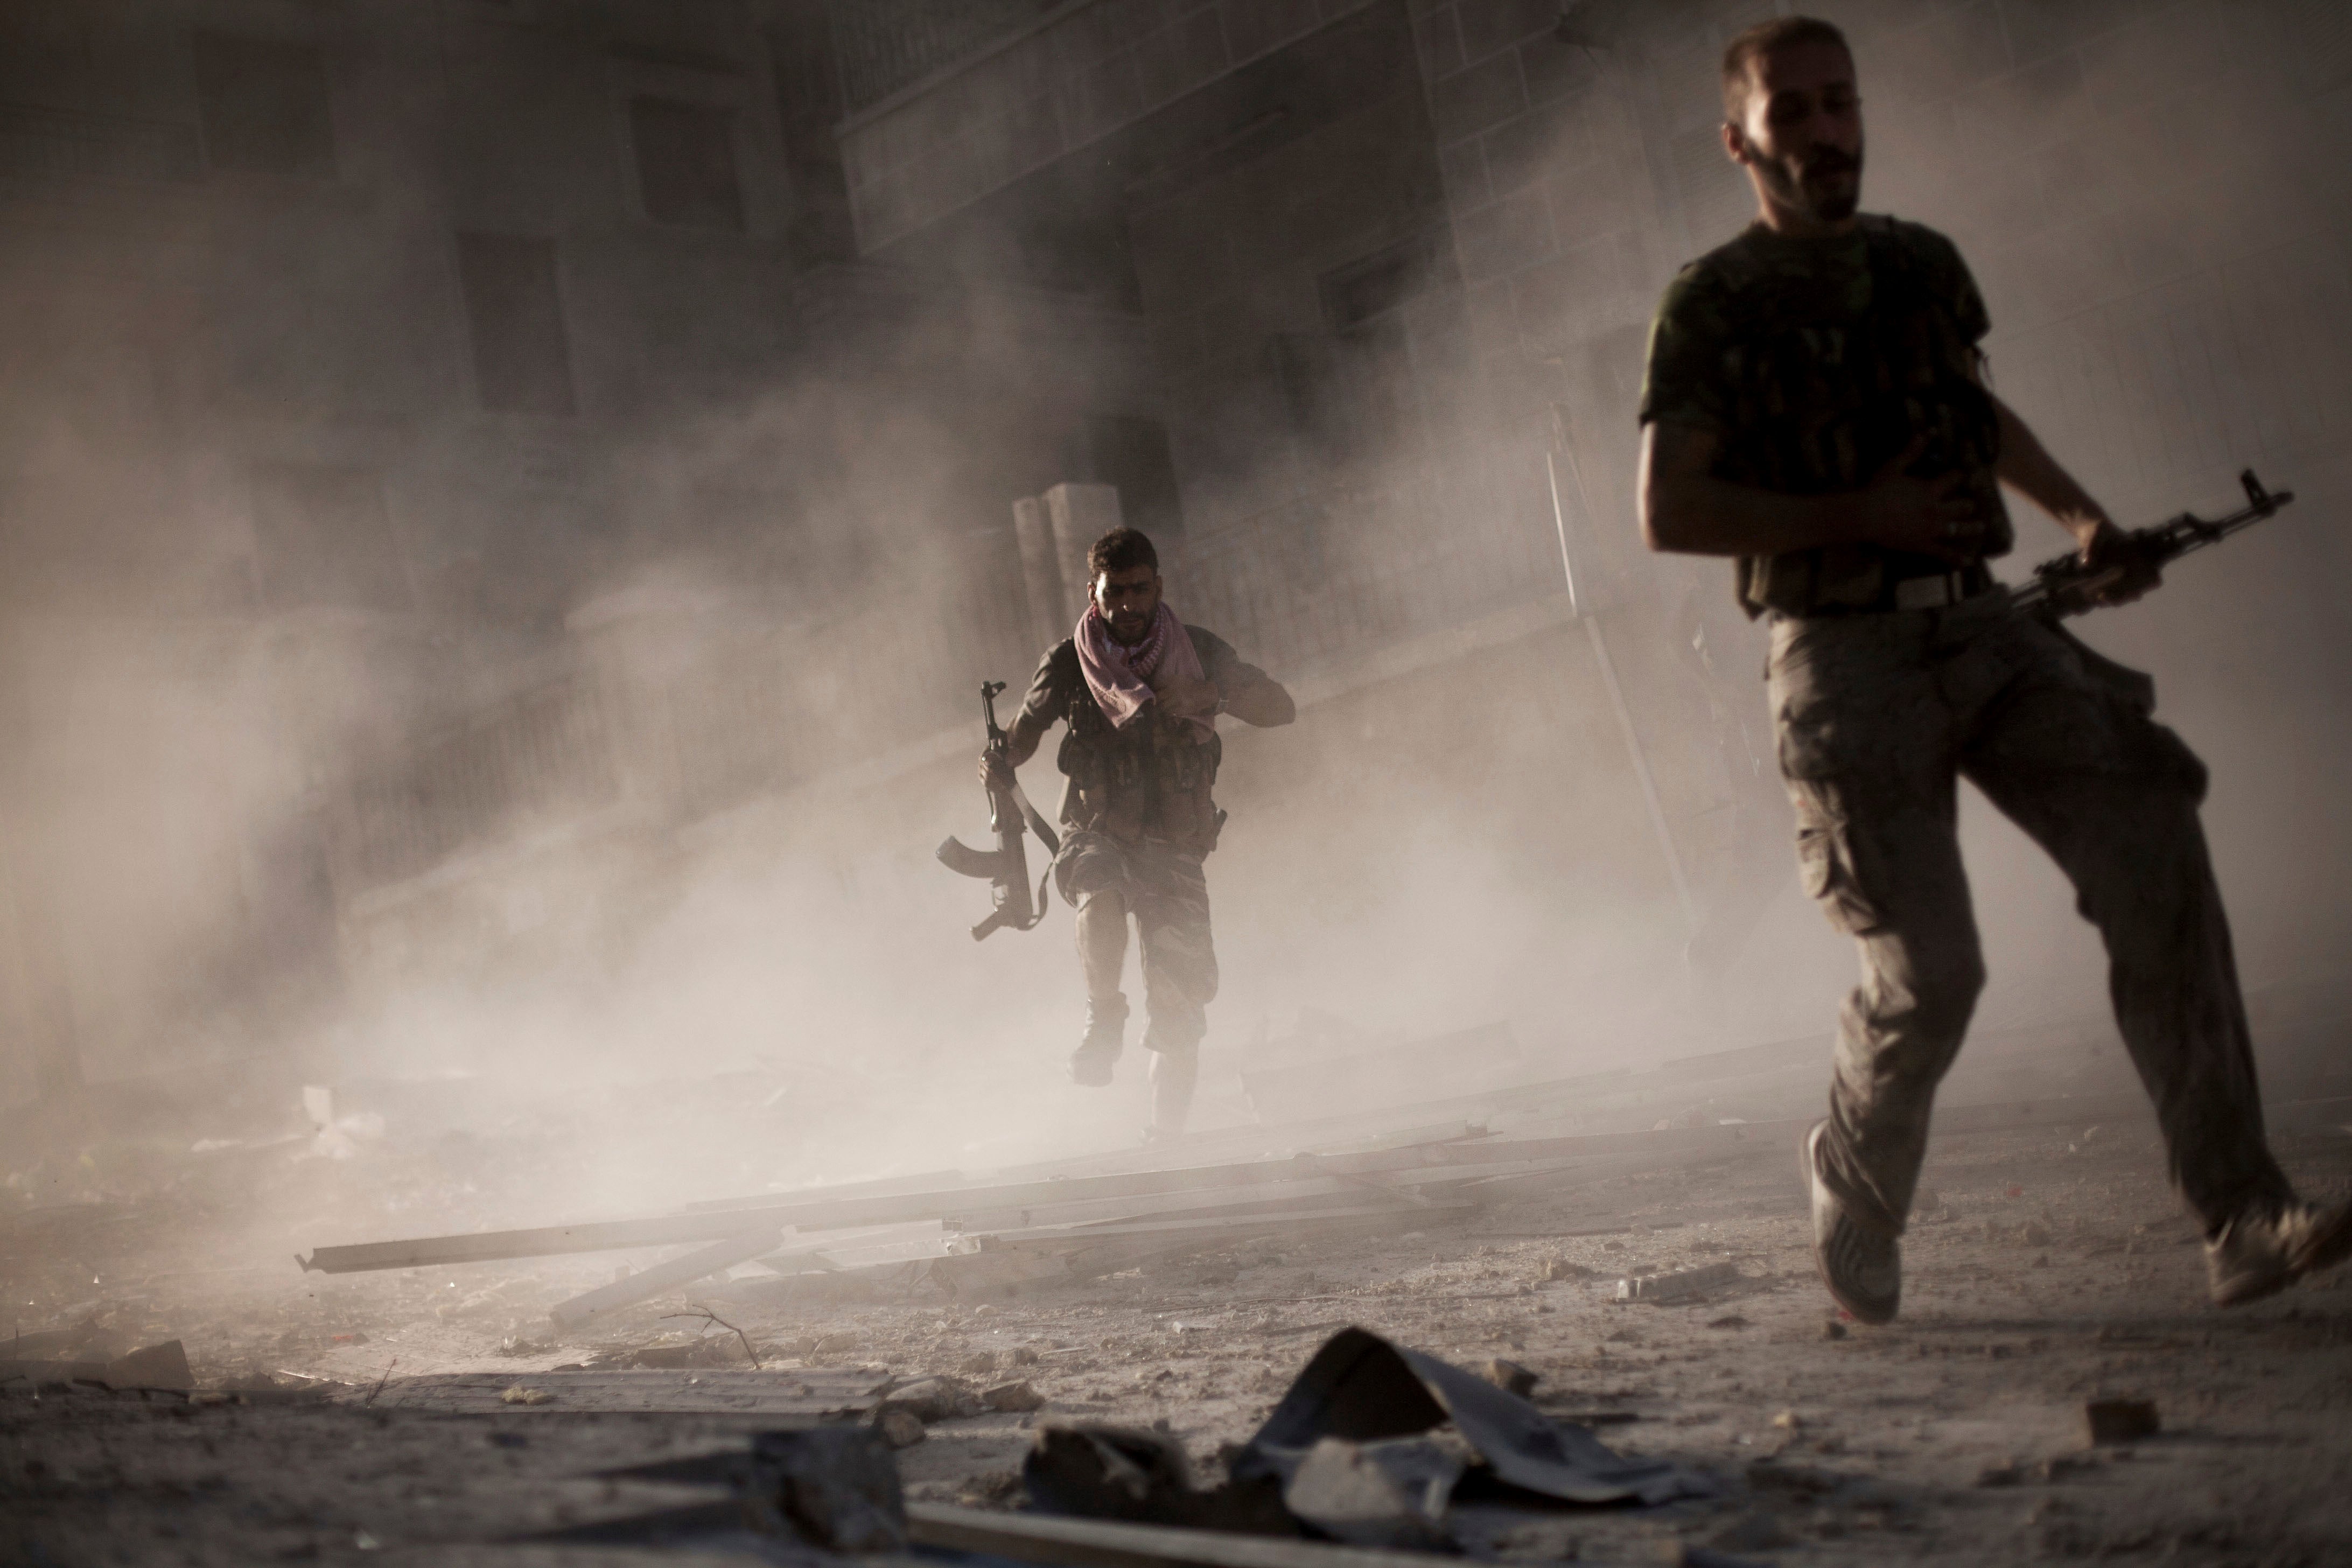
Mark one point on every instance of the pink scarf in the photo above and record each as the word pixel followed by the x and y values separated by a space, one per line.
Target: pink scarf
pixel 1124 679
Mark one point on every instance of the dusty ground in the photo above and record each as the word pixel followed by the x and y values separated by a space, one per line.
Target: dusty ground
pixel 2059 1270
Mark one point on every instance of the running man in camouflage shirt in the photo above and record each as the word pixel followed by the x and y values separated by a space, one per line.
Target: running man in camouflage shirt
pixel 1136 819
pixel 1815 407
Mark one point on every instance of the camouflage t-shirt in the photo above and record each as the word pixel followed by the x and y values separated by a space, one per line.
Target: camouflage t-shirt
pixel 1818 362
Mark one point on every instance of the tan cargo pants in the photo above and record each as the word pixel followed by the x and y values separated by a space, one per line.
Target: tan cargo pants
pixel 1878 717
pixel 1167 891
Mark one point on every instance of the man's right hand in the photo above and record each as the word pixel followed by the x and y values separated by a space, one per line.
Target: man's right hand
pixel 996 772
pixel 1935 517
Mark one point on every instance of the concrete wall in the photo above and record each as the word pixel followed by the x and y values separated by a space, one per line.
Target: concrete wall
pixel 248 408
pixel 1079 74
pixel 1379 272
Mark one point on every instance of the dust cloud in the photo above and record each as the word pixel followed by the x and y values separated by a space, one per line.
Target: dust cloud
pixel 812 551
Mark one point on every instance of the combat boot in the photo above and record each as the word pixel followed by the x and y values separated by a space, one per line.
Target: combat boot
pixel 1863 1268
pixel 2258 1255
pixel 1105 1037
pixel 1173 1073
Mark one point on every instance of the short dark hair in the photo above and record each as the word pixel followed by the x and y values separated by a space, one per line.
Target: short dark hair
pixel 1763 38
pixel 1120 550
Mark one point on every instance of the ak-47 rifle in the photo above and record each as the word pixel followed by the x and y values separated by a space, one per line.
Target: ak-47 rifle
pixel 2061 585
pixel 1006 867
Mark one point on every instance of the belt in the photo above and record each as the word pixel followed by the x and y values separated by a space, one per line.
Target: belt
pixel 1928 591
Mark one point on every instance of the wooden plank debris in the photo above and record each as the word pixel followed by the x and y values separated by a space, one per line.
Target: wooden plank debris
pixel 1108 1544
pixel 1488 1169
pixel 810 1392
pixel 820 1212
pixel 647 1283
pixel 162 1366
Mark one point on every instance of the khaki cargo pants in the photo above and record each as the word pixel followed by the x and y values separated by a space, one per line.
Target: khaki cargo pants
pixel 1167 892
pixel 1878 717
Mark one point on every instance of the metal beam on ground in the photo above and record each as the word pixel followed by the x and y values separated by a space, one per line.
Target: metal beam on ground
pixel 1216 1185
pixel 664 1276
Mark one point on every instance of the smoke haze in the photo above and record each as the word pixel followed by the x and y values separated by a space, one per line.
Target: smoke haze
pixel 499 722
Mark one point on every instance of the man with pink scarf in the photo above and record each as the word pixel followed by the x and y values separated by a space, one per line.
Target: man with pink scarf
pixel 1142 693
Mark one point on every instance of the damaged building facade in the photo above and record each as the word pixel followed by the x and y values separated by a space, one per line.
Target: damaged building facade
pixel 514 382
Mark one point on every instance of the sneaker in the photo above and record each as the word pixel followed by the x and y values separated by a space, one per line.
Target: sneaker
pixel 1863 1269
pixel 2259 1255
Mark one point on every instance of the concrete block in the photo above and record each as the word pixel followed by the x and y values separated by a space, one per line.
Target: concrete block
pixel 1041 572
pixel 1013 1397
pixel 834 1487
pixel 1081 514
pixel 1510 1376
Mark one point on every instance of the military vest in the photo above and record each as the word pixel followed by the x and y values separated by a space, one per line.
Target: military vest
pixel 1148 780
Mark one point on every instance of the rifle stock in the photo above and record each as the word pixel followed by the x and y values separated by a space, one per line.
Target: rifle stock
pixel 1006 867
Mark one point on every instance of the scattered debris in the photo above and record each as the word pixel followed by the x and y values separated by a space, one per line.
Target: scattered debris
pixel 1102 1471
pixel 714 1320
pixel 814 1395
pixel 2120 1420
pixel 164 1366
pixel 898 1426
pixel 1510 1376
pixel 1797 1480
pixel 1679 1284
pixel 833 1486
pixel 1361 1387
pixel 1392 1494
pixel 1013 1397
pixel 1751 1532
pixel 933 1399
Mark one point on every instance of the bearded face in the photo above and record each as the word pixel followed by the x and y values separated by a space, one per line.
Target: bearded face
pixel 1824 183
pixel 1799 133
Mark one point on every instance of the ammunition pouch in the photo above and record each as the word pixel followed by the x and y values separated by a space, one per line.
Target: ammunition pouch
pixel 1153 779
